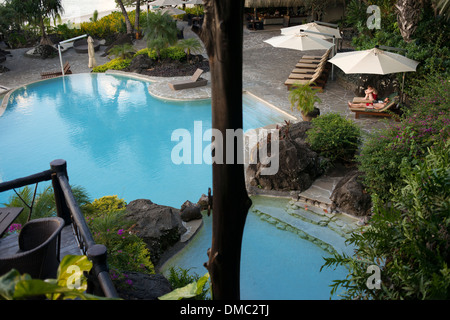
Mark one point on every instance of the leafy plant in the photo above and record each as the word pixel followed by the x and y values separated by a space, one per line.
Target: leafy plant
pixel 409 241
pixel 44 202
pixel 115 64
pixel 190 45
pixel 303 97
pixel 186 286
pixel 70 282
pixel 160 31
pixel 126 251
pixel 122 51
pixel 334 137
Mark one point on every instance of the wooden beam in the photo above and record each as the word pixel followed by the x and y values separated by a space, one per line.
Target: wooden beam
pixel 222 35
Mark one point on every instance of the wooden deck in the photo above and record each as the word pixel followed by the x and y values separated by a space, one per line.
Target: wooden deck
pixel 9 245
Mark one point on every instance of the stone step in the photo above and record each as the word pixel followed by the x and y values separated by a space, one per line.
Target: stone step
pixel 307 225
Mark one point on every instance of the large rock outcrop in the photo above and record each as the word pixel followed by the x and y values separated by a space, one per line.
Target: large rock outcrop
pixel 350 197
pixel 298 167
pixel 159 226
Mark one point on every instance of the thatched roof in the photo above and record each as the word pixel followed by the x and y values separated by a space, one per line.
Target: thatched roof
pixel 273 3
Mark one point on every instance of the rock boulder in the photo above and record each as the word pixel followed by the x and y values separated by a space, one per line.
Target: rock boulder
pixel 190 211
pixel 299 166
pixel 349 196
pixel 144 286
pixel 159 226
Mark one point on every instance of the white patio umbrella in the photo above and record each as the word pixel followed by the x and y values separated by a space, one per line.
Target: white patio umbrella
pixel 194 2
pixel 166 3
pixel 312 26
pixel 172 11
pixel 299 41
pixel 373 61
pixel 91 53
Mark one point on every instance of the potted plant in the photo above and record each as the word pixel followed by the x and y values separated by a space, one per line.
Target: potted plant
pixel 304 97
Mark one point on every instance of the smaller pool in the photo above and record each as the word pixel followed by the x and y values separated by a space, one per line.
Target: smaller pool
pixel 275 264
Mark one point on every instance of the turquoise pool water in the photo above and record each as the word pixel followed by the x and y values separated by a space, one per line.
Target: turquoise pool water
pixel 116 139
pixel 275 264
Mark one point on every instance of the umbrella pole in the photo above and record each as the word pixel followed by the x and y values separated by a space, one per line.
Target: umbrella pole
pixel 332 65
pixel 403 86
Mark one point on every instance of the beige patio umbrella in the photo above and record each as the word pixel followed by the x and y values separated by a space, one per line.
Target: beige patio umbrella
pixel 373 61
pixel 172 11
pixel 91 53
pixel 299 41
pixel 166 3
pixel 313 26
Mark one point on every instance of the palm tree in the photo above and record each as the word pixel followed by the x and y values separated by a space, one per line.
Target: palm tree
pixel 160 31
pixel 408 17
pixel 190 45
pixel 36 11
pixel 122 51
pixel 125 15
pixel 443 6
pixel 44 202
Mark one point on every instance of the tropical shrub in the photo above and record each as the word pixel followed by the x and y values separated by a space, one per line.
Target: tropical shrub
pixel 190 45
pixel 126 251
pixel 160 31
pixel 424 125
pixel 122 51
pixel 114 64
pixel 409 241
pixel 180 279
pixel 174 53
pixel 44 203
pixel 67 285
pixel 334 137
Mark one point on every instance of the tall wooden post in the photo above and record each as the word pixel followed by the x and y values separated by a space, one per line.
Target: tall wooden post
pixel 222 34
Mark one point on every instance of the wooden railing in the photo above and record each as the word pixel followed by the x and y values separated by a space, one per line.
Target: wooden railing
pixel 99 281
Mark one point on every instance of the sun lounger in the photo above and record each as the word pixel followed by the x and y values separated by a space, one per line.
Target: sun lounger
pixel 315 59
pixel 53 74
pixel 317 81
pixel 193 82
pixel 376 112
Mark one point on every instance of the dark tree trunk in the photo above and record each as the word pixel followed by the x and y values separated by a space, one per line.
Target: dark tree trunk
pixel 222 34
pixel 125 15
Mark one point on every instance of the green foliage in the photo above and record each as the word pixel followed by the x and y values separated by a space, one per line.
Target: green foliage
pixel 126 251
pixel 69 284
pixel 115 64
pixel 186 286
pixel 190 45
pixel 334 137
pixel 160 31
pixel 430 45
pixel 303 97
pixel 104 27
pixel 409 241
pixel 44 202
pixel 122 51
pixel 174 53
pixel 423 126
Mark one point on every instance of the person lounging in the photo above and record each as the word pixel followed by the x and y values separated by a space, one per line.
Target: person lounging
pixel 375 105
pixel 371 93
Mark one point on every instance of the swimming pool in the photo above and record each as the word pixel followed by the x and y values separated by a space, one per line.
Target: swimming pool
pixel 116 139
